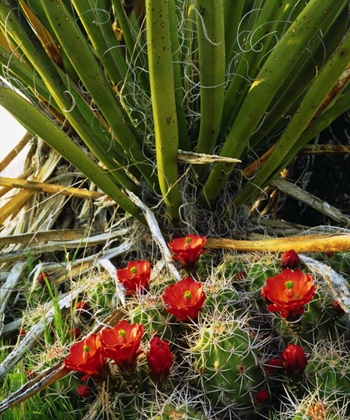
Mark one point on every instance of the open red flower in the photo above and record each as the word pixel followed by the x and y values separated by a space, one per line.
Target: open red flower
pixel 289 292
pixel 86 357
pixel 290 259
pixel 122 343
pixel 135 276
pixel 188 249
pixel 294 361
pixel 184 298
pixel 160 359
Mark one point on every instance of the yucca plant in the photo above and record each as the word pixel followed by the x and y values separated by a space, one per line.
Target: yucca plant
pixel 127 91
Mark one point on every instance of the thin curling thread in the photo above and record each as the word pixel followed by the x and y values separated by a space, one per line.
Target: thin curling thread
pixel 205 32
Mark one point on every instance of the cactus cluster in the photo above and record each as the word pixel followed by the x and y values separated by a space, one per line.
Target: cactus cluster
pixel 250 337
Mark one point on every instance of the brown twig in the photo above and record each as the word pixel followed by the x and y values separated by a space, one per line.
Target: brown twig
pixel 49 188
pixel 313 243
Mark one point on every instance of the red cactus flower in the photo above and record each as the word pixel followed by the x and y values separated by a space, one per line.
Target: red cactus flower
pixel 290 259
pixel 261 396
pixel 135 276
pixel 86 357
pixel 84 391
pixel 289 292
pixel 184 299
pixel 160 359
pixel 188 249
pixel 122 343
pixel 294 361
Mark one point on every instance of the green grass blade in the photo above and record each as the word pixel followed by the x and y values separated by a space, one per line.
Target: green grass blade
pixel 341 106
pixel 96 22
pixel 254 43
pixel 71 103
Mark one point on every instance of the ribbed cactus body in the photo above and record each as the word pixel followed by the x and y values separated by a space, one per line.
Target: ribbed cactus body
pixel 329 372
pixel 259 272
pixel 220 299
pixel 154 318
pixel 226 365
pixel 171 412
pixel 103 295
pixel 316 324
pixel 339 261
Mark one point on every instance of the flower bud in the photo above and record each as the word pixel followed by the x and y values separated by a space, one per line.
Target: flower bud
pixel 74 333
pixel 84 391
pixel 261 396
pixel 160 359
pixel 30 374
pixel 42 277
pixel 290 259
pixel 273 365
pixel 294 361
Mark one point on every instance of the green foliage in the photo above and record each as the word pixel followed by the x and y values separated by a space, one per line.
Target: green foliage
pixel 118 94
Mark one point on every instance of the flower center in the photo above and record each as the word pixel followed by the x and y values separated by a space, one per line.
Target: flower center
pixel 133 270
pixel 188 240
pixel 86 349
pixel 289 284
pixel 187 294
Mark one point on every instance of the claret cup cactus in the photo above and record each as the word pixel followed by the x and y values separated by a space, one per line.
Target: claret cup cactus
pixel 226 365
pixel 215 344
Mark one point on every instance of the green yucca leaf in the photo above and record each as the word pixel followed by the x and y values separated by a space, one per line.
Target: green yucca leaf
pixel 163 102
pixel 213 76
pixel 33 120
pixel 270 78
pixel 211 51
pixel 316 95
pixel 88 69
